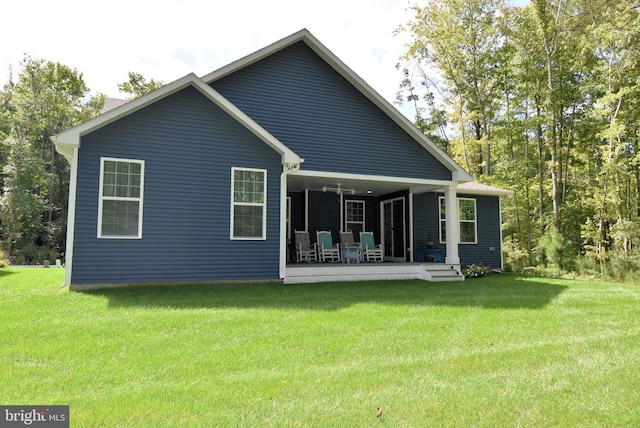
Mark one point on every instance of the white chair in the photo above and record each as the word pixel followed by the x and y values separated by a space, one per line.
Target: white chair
pixel 327 250
pixel 351 252
pixel 370 251
pixel 304 251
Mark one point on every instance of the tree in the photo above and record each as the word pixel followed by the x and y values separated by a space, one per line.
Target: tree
pixel 45 99
pixel 137 85
pixel 460 40
pixel 614 37
pixel 548 94
pixel 23 197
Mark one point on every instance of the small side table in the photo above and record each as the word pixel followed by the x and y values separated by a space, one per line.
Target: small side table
pixel 350 253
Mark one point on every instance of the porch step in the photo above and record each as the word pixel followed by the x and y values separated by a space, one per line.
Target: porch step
pixel 440 272
pixel 326 272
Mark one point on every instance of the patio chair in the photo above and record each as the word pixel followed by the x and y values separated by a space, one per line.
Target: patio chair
pixel 351 252
pixel 370 251
pixel 327 250
pixel 304 251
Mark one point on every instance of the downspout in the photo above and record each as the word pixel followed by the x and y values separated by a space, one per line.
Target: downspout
pixel 287 168
pixel 70 152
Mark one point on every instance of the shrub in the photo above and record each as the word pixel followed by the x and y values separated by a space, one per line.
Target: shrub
pixel 515 257
pixel 558 252
pixel 4 262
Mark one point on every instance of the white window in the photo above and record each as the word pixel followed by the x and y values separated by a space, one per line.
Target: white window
pixel 248 203
pixel 120 202
pixel 468 225
pixel 354 217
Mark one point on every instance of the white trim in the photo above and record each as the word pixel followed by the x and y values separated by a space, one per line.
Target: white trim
pixel 411 243
pixel 287 214
pixel 475 221
pixel 71 217
pixel 282 265
pixel 364 214
pixel 252 204
pixel 102 198
pixel 452 224
pixel 404 228
pixel 406 181
pixel 306 209
pixel 458 173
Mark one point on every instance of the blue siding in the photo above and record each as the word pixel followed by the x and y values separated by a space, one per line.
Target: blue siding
pixel 426 224
pixel 313 110
pixel 189 146
pixel 324 214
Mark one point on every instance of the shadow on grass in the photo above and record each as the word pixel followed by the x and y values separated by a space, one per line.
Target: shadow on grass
pixel 5 272
pixel 495 291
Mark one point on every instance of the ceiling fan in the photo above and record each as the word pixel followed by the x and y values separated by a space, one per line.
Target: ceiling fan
pixel 340 190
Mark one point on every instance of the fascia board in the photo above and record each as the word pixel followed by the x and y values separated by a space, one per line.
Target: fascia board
pixel 458 173
pixel 366 177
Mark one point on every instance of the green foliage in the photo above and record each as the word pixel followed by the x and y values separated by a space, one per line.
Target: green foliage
pixel 22 201
pixel 461 39
pixel 542 100
pixel 475 271
pixel 44 99
pixel 4 262
pixel 558 252
pixel 515 258
pixel 137 85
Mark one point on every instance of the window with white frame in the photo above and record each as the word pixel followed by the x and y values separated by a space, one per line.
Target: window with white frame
pixel 120 202
pixel 248 203
pixel 354 217
pixel 468 224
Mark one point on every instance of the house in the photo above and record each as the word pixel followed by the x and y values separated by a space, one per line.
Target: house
pixel 307 144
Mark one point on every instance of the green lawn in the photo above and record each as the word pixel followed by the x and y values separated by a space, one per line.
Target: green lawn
pixel 504 350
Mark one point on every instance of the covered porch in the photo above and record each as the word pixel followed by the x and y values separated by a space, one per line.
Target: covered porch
pixel 383 205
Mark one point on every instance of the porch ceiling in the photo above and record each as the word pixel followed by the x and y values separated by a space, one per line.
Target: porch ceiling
pixel 362 185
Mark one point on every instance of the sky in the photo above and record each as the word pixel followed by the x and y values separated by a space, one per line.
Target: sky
pixel 167 39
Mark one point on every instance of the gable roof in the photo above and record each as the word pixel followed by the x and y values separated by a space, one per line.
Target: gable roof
pixel 67 141
pixel 458 173
pixel 111 103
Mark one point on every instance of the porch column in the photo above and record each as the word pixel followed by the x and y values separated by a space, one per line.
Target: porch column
pixel 287 168
pixel 282 268
pixel 452 226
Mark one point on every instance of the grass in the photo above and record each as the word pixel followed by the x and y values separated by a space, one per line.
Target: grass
pixel 504 350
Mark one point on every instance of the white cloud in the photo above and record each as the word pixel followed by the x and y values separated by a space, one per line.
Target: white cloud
pixel 166 39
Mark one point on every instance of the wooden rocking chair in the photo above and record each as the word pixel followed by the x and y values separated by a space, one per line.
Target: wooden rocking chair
pixel 370 251
pixel 304 251
pixel 327 250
